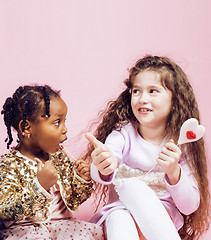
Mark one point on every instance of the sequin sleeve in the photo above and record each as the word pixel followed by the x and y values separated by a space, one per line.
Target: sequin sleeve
pixel 74 189
pixel 20 198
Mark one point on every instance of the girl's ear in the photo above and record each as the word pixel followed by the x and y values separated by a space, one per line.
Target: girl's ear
pixel 27 129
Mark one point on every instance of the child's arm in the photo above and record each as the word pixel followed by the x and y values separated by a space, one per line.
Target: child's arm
pixel 185 193
pixel 179 179
pixel 74 188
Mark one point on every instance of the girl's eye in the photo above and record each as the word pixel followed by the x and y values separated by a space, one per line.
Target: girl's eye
pixel 57 122
pixel 135 91
pixel 153 91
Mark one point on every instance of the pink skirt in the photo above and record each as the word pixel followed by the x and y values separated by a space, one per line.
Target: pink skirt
pixel 67 229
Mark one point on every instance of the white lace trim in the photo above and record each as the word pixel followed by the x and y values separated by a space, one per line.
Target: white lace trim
pixel 155 180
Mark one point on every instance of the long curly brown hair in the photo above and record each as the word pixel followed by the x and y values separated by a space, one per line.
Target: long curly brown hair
pixel 184 106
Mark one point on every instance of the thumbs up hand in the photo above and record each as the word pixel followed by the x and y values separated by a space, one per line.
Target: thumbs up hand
pixel 102 157
pixel 46 173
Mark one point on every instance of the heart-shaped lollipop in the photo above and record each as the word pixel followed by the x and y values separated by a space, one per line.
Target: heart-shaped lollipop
pixel 190 131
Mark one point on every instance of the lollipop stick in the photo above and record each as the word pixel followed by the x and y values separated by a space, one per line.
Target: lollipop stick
pixel 65 149
pixel 150 170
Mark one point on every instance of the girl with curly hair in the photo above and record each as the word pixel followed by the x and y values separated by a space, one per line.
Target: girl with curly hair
pixel 138 130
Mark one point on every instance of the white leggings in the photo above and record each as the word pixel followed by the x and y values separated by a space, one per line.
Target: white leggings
pixel 147 210
pixel 120 225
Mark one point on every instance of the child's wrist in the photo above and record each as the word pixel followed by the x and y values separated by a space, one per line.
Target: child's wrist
pixel 174 176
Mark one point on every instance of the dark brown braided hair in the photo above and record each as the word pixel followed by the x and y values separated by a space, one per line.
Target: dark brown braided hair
pixel 25 104
pixel 184 106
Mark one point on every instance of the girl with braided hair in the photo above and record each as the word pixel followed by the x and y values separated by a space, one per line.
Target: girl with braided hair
pixel 140 130
pixel 39 185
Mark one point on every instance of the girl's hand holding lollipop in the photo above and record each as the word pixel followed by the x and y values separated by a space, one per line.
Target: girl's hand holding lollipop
pixel 168 159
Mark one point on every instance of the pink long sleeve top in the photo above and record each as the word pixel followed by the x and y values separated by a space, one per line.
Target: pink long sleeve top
pixel 131 149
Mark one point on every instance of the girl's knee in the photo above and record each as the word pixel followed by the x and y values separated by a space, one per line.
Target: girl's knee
pixel 116 215
pixel 120 225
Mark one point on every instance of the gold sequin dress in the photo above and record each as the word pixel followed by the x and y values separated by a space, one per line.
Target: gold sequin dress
pixel 29 211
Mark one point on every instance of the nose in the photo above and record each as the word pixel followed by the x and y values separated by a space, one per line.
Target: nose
pixel 144 98
pixel 65 129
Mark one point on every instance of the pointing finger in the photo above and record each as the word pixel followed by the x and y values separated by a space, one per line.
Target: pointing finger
pixel 93 140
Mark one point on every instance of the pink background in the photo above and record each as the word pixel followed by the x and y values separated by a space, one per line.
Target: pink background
pixel 85 47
